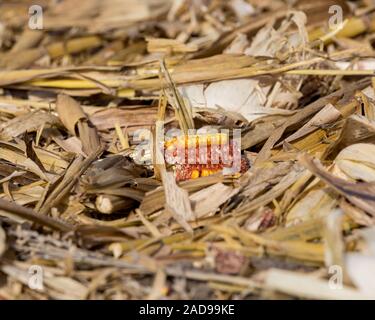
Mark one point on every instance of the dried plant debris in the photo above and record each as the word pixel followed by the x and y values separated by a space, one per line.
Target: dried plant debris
pixel 165 149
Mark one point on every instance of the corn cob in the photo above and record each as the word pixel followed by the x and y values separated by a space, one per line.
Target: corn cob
pixel 195 156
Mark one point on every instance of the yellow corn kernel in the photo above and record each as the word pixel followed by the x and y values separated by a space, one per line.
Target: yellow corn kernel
pixel 201 139
pixel 205 173
pixel 195 174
